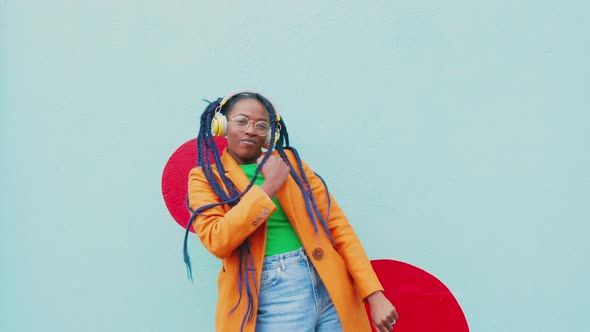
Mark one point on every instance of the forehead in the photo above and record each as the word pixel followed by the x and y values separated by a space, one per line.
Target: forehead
pixel 252 108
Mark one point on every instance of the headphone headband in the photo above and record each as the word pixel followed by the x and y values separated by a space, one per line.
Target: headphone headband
pixel 247 91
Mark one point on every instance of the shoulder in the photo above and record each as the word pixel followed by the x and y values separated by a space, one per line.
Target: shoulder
pixel 198 173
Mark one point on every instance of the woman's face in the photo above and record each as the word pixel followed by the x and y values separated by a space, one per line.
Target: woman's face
pixel 245 146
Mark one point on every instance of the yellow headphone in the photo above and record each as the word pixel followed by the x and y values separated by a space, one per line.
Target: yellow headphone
pixel 219 122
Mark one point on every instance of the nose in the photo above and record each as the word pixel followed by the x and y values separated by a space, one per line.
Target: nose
pixel 250 129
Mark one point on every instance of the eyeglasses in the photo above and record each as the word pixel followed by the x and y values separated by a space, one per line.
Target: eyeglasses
pixel 261 128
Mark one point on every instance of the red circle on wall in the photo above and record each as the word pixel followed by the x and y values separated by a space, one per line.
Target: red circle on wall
pixel 175 178
pixel 423 302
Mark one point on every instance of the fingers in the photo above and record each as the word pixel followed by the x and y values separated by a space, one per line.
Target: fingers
pixel 271 160
pixel 387 323
pixel 275 172
pixel 384 327
pixel 392 318
pixel 376 327
pixel 275 164
pixel 392 323
pixel 388 326
pixel 380 328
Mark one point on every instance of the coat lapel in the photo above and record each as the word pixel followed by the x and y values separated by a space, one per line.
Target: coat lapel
pixel 257 239
pixel 233 171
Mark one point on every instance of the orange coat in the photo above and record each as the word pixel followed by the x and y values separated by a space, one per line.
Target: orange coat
pixel 346 272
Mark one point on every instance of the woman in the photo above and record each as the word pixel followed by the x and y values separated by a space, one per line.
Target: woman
pixel 291 261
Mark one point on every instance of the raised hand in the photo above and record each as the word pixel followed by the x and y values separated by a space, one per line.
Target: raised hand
pixel 275 172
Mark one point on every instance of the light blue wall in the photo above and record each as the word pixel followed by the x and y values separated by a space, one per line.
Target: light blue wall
pixel 453 133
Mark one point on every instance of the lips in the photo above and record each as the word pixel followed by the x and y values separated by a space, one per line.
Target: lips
pixel 249 141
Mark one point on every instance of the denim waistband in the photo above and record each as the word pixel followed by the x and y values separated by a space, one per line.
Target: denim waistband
pixel 281 260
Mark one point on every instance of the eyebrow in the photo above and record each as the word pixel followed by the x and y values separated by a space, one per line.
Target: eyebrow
pixel 259 119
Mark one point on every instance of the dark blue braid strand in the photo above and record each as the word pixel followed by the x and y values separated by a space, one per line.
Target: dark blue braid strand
pixel 308 197
pixel 327 195
pixel 311 196
pixel 204 150
pixel 250 275
pixel 284 139
pixel 211 149
pixel 211 146
pixel 240 259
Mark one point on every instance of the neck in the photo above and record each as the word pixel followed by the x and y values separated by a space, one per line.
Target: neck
pixel 241 161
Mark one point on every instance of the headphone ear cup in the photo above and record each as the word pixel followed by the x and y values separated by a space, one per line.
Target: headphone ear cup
pixel 219 125
pixel 267 142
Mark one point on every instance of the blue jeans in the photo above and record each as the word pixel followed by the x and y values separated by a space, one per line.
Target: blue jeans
pixel 293 298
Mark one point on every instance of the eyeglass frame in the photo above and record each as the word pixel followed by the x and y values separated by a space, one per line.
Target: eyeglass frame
pixel 249 122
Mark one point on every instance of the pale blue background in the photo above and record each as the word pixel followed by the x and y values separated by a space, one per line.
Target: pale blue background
pixel 453 133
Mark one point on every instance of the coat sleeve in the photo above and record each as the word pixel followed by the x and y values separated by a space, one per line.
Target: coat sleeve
pixel 347 243
pixel 220 230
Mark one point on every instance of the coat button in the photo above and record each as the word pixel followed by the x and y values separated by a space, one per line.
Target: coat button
pixel 257 221
pixel 318 254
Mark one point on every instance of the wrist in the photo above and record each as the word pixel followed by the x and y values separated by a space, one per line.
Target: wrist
pixel 269 188
pixel 376 296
